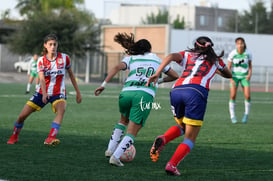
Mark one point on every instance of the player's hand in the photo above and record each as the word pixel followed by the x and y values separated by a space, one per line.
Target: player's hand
pixel 153 79
pixel 247 78
pixel 78 98
pixel 45 98
pixel 98 90
pixel 232 82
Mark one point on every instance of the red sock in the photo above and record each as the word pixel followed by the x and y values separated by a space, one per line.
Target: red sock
pixel 17 128
pixel 172 133
pixel 53 133
pixel 181 151
pixel 16 131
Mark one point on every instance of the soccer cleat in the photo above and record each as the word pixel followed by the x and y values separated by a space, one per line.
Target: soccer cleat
pixel 108 153
pixel 171 170
pixel 27 92
pixel 13 139
pixel 245 118
pixel 234 120
pixel 115 162
pixel 51 141
pixel 158 146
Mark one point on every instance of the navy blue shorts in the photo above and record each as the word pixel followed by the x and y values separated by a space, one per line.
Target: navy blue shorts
pixel 188 103
pixel 36 101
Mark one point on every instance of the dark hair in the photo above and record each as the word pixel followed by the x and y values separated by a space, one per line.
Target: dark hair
pixel 46 39
pixel 131 47
pixel 203 46
pixel 243 40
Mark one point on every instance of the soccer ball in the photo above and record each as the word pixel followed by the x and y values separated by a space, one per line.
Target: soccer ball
pixel 129 154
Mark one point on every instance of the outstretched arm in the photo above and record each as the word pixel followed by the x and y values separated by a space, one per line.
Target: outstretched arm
pixel 172 75
pixel 111 74
pixel 226 73
pixel 171 57
pixel 75 85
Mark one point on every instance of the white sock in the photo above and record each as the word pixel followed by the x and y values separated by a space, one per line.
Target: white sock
pixel 126 142
pixel 28 87
pixel 116 137
pixel 232 106
pixel 36 87
pixel 247 106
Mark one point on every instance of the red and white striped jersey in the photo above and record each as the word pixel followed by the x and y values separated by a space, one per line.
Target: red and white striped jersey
pixel 54 72
pixel 197 70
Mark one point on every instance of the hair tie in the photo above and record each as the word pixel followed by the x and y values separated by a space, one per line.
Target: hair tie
pixel 206 45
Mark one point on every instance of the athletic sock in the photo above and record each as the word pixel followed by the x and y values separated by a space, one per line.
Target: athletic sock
pixel 54 129
pixel 36 87
pixel 247 106
pixel 172 133
pixel 182 150
pixel 232 106
pixel 116 136
pixel 126 142
pixel 17 128
pixel 28 87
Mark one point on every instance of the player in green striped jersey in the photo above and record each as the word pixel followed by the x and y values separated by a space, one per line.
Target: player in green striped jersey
pixel 32 73
pixel 135 99
pixel 240 63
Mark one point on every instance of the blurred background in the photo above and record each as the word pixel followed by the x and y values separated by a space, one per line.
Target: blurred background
pixel 86 28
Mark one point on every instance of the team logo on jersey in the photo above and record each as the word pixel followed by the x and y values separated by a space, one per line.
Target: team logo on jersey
pixel 60 63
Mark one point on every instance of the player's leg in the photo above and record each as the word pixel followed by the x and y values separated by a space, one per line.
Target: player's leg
pixel 18 125
pixel 37 81
pixel 31 78
pixel 125 100
pixel 183 149
pixel 232 104
pixel 178 109
pixel 195 108
pixel 116 136
pixel 58 106
pixel 137 116
pixel 246 89
pixel 34 104
pixel 126 142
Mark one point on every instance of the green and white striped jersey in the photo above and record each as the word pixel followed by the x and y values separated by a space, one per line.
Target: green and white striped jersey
pixel 240 63
pixel 141 67
pixel 32 66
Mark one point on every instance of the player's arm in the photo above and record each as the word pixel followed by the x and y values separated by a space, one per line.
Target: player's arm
pixel 172 75
pixel 111 74
pixel 226 73
pixel 177 57
pixel 43 86
pixel 75 85
pixel 249 71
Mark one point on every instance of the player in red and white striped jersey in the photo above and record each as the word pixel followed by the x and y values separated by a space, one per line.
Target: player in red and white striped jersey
pixel 197 71
pixel 188 97
pixel 51 69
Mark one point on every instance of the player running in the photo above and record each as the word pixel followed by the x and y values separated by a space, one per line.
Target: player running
pixel 240 63
pixel 188 97
pixel 51 69
pixel 141 64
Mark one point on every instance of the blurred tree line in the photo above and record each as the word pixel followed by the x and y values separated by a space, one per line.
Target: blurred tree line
pixel 162 17
pixel 76 29
pixel 256 20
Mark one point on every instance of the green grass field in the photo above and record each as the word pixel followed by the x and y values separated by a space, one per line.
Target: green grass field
pixel 223 151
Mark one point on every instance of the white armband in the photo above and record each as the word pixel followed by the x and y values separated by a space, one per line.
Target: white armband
pixel 103 84
pixel 160 80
